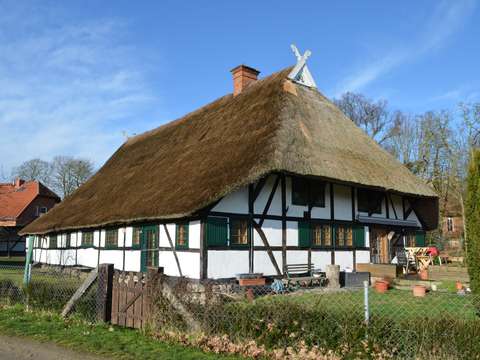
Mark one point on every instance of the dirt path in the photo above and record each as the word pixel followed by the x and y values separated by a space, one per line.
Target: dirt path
pixel 13 348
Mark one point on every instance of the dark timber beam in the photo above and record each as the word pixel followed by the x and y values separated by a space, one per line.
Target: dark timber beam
pixel 393 206
pixel 284 221
pixel 267 245
pixel 251 203
pixel 173 249
pixel 203 252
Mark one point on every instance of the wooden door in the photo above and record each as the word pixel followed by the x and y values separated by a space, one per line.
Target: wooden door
pixel 379 246
pixel 149 246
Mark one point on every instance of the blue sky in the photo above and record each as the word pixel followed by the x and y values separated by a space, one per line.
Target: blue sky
pixel 75 77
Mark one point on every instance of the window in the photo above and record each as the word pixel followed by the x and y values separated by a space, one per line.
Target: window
pixel 53 242
pixel 308 192
pixel 136 236
pixel 369 201
pixel 40 210
pixel 238 232
pixel 68 240
pixel 321 235
pixel 450 224
pixel 181 239
pixel 415 239
pixel 299 191
pixel 217 231
pixel 87 239
pixel 343 236
pixel 111 238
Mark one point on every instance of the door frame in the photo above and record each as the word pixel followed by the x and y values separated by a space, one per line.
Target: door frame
pixel 144 251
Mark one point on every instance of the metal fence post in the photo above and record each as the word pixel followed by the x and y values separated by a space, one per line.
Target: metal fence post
pixel 365 302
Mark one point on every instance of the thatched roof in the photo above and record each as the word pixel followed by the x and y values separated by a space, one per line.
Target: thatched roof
pixel 183 166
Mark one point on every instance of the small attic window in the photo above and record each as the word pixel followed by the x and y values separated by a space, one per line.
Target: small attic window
pixel 308 192
pixel 369 201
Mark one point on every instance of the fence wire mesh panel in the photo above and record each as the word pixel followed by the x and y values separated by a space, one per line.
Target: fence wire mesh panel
pixel 348 321
pixel 50 288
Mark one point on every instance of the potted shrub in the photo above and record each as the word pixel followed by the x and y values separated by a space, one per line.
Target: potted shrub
pixel 381 286
pixel 419 290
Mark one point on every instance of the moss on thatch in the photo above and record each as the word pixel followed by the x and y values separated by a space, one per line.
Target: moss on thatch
pixel 181 167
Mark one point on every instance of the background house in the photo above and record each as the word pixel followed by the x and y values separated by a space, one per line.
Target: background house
pixel 21 202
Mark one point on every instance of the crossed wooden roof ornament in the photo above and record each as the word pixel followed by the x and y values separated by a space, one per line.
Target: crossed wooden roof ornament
pixel 300 72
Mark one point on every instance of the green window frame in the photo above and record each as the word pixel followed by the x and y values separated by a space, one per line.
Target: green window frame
pixel 216 231
pixel 420 239
pixel 87 239
pixel 304 234
pixel 343 235
pixel 359 236
pixel 111 238
pixel 181 236
pixel 68 240
pixel 53 241
pixel 321 235
pixel 136 237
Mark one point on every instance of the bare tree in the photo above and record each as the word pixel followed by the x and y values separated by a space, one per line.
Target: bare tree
pixel 35 169
pixel 70 173
pixel 373 117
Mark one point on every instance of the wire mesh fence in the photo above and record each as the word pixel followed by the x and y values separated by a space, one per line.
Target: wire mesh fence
pixel 353 322
pixel 49 288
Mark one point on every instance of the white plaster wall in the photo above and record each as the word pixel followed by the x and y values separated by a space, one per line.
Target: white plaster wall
pixel 275 206
pixel 194 234
pixel 397 205
pixel 87 257
pixel 292 233
pixel 114 257
pixel 412 215
pixel 68 257
pixel 224 264
pixel 342 202
pixel 54 257
pixel 128 236
pixel 320 259
pixel 132 260
pixel 363 257
pixel 163 235
pixel 367 236
pixel 263 264
pixel 297 257
pixel 273 233
pixel 344 259
pixel 235 202
pixel 189 263
pixel 96 238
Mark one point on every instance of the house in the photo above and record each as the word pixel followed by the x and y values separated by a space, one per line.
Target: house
pixel 452 223
pixel 21 202
pixel 270 175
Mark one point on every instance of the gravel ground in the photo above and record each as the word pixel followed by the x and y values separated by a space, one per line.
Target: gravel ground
pixel 14 348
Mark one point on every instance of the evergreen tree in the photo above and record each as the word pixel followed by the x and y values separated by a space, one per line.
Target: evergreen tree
pixel 472 210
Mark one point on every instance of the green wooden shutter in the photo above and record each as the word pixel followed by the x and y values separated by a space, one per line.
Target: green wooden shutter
pixel 359 236
pixel 217 231
pixel 420 238
pixel 304 234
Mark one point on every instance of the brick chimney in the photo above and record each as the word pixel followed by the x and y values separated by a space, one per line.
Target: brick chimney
pixel 18 183
pixel 242 77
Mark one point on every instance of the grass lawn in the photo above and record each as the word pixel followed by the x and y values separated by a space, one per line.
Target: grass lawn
pixel 114 342
pixel 395 304
pixel 13 260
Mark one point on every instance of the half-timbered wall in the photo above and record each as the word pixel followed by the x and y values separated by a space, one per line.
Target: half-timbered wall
pixel 275 235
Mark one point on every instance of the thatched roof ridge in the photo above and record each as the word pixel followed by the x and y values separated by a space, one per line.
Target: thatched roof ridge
pixel 179 168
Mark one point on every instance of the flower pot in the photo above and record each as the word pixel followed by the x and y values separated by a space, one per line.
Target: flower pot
pixel 458 285
pixel 419 291
pixel 423 274
pixel 252 282
pixel 381 286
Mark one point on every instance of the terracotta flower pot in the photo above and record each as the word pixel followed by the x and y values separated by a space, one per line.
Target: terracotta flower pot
pixel 458 285
pixel 419 291
pixel 381 286
pixel 423 274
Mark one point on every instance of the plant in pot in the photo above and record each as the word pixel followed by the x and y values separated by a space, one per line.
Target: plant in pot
pixel 381 286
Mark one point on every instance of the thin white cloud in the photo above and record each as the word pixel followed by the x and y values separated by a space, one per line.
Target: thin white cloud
pixel 66 88
pixel 447 18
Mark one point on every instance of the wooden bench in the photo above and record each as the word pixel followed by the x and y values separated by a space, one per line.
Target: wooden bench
pixel 298 274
